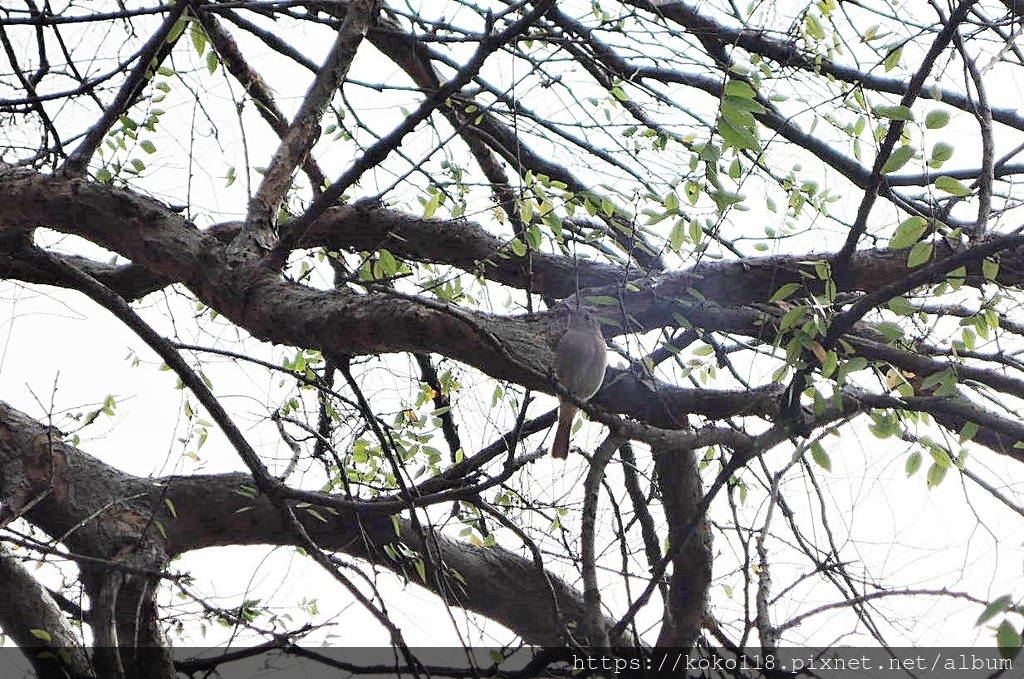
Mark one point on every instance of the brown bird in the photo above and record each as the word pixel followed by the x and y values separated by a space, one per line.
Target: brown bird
pixel 579 366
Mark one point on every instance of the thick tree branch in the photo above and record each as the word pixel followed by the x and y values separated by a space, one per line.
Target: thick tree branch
pixel 25 605
pixel 222 510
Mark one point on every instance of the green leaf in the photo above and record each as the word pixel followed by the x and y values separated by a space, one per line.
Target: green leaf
pixel 952 186
pixel 892 58
pixel 212 61
pixel 913 463
pixel 742 108
pixel 172 37
pixel 941 152
pixel 814 28
pixel 1000 605
pixel 678 235
pixel 316 515
pixel 387 263
pixel 431 206
pixel 737 136
pixel 898 159
pixel 147 146
pixel 198 36
pixel 908 233
pixel 526 211
pixel 696 233
pixel 935 475
pixel 820 456
pixel 936 119
pixel 894 112
pixel 1008 640
pixel 792 317
pixel 534 236
pixel 920 253
pixel 829 365
pixel 739 88
pixel 891 331
pixel 421 569
pixel 518 247
pixel 957 277
pixel 940 456
pixel 40 634
pixel 784 291
pixel 990 269
pixel 671 201
pixel 968 431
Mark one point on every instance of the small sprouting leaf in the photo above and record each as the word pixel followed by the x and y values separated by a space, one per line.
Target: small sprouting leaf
pixel 41 634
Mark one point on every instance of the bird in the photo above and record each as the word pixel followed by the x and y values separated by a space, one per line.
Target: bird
pixel 580 360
